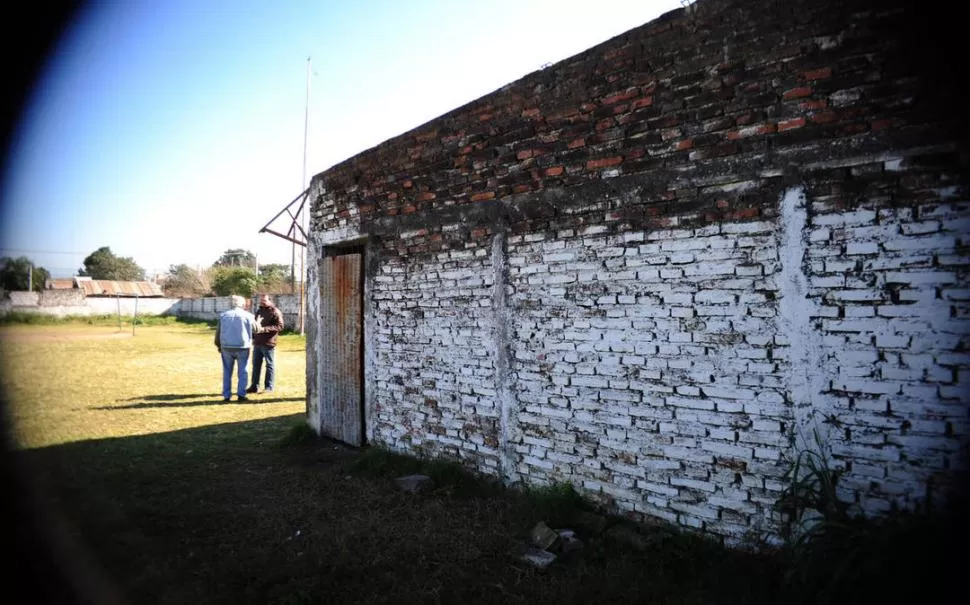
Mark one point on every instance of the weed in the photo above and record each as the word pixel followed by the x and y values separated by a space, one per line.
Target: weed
pixel 556 503
pixel 299 434
pixel 835 554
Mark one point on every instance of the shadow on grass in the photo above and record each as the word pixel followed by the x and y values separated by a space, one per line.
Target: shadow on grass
pixel 265 512
pixel 169 397
pixel 161 399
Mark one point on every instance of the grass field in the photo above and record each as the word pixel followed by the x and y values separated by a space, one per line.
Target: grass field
pixel 74 382
pixel 153 487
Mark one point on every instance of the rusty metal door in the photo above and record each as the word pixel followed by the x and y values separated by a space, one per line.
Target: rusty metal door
pixel 341 360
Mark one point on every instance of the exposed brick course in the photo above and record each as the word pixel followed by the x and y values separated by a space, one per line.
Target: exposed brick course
pixel 658 268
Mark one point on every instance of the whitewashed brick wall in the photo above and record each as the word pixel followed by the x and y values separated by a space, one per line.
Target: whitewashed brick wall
pixel 435 384
pixel 646 371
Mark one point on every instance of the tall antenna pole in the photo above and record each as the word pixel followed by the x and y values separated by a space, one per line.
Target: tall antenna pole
pixel 306 122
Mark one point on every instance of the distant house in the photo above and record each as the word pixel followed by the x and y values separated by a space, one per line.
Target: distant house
pixel 106 287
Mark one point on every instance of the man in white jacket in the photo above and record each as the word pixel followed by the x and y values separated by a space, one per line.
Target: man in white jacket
pixel 234 339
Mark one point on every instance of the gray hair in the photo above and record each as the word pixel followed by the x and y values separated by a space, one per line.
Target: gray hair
pixel 237 302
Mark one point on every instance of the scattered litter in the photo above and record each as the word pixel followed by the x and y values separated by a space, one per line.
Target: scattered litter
pixel 537 557
pixel 542 537
pixel 414 483
pixel 568 542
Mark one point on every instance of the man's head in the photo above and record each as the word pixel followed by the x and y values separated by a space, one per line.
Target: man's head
pixel 237 302
pixel 264 300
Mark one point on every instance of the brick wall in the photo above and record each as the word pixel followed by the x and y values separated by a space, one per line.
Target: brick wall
pixel 660 268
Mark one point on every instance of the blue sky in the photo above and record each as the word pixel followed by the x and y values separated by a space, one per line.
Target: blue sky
pixel 174 130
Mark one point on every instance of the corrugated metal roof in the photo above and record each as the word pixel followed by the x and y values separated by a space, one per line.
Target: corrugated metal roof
pixel 60 284
pixel 104 287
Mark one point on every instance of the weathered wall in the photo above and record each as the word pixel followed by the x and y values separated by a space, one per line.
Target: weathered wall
pixel 129 306
pixel 73 302
pixel 659 268
pixel 210 307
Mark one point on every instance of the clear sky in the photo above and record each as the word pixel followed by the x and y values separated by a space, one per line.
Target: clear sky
pixel 174 130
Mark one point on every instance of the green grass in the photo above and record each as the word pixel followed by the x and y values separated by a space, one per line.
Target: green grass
pixel 179 498
pixel 40 319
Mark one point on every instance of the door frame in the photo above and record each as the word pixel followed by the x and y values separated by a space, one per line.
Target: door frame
pixel 358 246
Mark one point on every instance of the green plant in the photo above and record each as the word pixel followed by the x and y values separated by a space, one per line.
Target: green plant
pixel 812 486
pixel 836 554
pixel 556 503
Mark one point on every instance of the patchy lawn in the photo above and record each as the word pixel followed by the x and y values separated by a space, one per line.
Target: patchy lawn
pixel 169 496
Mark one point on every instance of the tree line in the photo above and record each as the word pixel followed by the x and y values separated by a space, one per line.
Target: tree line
pixel 235 272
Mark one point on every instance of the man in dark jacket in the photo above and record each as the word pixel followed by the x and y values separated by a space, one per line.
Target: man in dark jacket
pixel 269 321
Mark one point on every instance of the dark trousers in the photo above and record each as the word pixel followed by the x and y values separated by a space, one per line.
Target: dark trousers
pixel 259 355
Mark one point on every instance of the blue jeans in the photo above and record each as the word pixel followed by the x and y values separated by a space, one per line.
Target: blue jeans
pixel 269 354
pixel 239 357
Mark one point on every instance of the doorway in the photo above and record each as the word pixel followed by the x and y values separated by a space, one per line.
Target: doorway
pixel 341 361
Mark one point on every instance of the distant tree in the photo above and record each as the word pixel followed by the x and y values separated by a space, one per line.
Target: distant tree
pixel 234 280
pixel 237 257
pixel 103 264
pixel 17 273
pixel 274 278
pixel 184 281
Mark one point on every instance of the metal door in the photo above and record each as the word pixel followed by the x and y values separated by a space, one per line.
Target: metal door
pixel 341 360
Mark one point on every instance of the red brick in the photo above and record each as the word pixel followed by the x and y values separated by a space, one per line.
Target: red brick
pixel 743 213
pixel 818 74
pixel 409 209
pixel 425 196
pixel 554 171
pixel 485 116
pixel 824 117
pixel 685 144
pixel 522 188
pixel 576 143
pixel 881 124
pixel 620 96
pixel 812 105
pixel 604 124
pixel 484 195
pixel 479 233
pixel 603 163
pixel 646 101
pixel 796 93
pixel 524 154
pixel 789 124
pixel 531 113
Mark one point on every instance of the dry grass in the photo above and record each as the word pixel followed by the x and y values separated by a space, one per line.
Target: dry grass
pixel 71 382
pixel 182 499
